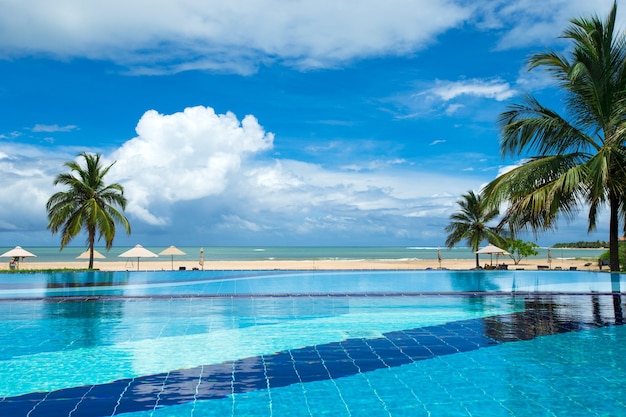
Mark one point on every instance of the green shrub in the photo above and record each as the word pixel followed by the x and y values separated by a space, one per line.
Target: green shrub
pixel 622 256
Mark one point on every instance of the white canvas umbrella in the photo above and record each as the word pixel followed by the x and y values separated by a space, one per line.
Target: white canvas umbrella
pixel 85 255
pixel 491 250
pixel 172 250
pixel 439 256
pixel 138 252
pixel 201 261
pixel 17 252
pixel 549 258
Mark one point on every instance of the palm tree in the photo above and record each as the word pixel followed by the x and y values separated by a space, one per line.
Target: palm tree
pixel 88 204
pixel 580 158
pixel 470 223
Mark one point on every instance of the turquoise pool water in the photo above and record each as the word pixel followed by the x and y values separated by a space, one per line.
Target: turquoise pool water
pixel 242 283
pixel 340 344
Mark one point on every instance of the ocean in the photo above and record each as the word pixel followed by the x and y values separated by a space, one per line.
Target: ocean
pixel 298 253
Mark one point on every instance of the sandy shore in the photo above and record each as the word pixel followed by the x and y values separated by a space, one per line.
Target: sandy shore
pixel 162 265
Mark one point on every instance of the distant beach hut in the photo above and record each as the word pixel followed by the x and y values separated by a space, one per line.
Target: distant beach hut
pixel 18 253
pixel 491 250
pixel 138 252
pixel 172 250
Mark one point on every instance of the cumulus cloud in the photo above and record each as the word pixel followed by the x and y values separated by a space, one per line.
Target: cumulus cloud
pixel 184 156
pixel 211 175
pixel 207 178
pixel 168 35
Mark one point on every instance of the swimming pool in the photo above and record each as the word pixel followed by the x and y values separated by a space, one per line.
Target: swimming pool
pixel 274 343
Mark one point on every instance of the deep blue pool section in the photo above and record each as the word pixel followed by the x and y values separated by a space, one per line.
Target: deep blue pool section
pixel 544 316
pixel 234 283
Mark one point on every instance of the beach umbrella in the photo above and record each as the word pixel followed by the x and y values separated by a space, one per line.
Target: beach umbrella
pixel 172 250
pixel 549 257
pixel 17 253
pixel 138 252
pixel 439 256
pixel 85 255
pixel 491 250
pixel 201 261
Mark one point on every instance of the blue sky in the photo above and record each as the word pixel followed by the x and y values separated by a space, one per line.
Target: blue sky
pixel 270 122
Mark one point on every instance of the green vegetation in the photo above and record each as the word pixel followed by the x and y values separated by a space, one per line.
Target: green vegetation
pixel 598 244
pixel 88 204
pixel 577 159
pixel 519 249
pixel 470 223
pixel 622 255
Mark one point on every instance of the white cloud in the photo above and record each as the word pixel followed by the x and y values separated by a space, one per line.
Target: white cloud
pixel 532 22
pixel 26 178
pixel 197 170
pixel 237 223
pixel 494 89
pixel 206 178
pixel 156 36
pixel 238 35
pixel 184 156
pixel 54 128
pixel 375 164
pixel 451 97
pixel 453 108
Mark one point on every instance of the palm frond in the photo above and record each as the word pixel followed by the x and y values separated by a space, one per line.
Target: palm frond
pixel 88 203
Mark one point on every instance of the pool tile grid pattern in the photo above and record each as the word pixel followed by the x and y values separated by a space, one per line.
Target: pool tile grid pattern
pixel 325 362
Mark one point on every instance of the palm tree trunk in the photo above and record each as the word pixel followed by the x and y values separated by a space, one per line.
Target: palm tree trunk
pixel 92 239
pixel 614 234
pixel 477 263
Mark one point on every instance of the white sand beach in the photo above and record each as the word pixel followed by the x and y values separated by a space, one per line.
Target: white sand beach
pixel 166 265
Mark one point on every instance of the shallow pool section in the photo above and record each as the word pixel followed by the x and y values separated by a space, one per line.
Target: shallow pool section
pixel 245 283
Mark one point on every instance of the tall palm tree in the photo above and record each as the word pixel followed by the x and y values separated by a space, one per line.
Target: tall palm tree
pixel 579 158
pixel 88 204
pixel 470 223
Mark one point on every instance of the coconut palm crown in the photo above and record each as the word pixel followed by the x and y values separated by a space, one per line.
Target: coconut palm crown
pixel 578 159
pixel 88 204
pixel 470 223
